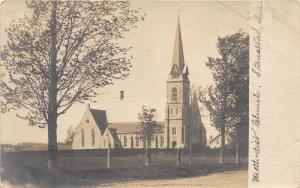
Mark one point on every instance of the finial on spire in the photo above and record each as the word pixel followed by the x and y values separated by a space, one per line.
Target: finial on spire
pixel 178 13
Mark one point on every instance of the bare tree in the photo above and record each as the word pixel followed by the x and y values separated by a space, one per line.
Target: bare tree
pixel 70 135
pixel 62 54
pixel 146 130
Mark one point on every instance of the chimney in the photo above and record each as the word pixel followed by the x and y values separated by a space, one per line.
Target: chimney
pixel 121 95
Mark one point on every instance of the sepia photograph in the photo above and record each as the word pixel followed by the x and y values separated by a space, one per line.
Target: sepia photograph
pixel 128 94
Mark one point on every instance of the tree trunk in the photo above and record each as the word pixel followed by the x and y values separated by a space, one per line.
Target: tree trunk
pixel 156 142
pixel 52 143
pixel 148 154
pixel 222 148
pixel 178 158
pixel 190 132
pixel 190 157
pixel 52 105
pixel 237 146
pixel 224 115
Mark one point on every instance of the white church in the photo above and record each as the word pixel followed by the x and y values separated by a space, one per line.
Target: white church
pixel 182 125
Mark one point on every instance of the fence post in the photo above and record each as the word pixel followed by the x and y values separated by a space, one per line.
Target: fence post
pixel 178 157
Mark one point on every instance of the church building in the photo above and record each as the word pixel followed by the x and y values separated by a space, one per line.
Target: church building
pixel 182 126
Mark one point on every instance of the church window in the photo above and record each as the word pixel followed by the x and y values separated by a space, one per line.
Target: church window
pixel 173 130
pixel 161 140
pixel 93 137
pixel 171 111
pixel 82 138
pixel 131 142
pixel 87 120
pixel 176 110
pixel 137 141
pixel 104 143
pixel 125 141
pixel 174 94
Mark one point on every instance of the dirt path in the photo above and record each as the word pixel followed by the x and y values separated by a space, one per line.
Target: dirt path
pixel 235 179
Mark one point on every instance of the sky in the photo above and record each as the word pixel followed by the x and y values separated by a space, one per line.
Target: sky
pixel 152 42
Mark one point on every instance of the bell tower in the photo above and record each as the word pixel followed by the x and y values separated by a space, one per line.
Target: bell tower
pixel 178 97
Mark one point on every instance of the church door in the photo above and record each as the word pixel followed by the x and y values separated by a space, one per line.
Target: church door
pixel 174 144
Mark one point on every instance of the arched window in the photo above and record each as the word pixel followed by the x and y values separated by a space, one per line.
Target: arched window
pixel 174 94
pixel 137 141
pixel 131 142
pixel 173 130
pixel 125 141
pixel 161 140
pixel 93 137
pixel 82 138
pixel 104 143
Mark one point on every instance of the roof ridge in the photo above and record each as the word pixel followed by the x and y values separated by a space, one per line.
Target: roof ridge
pixel 96 109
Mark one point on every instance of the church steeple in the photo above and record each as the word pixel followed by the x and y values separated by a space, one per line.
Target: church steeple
pixel 178 57
pixel 178 97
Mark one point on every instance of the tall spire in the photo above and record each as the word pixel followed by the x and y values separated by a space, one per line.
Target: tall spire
pixel 178 58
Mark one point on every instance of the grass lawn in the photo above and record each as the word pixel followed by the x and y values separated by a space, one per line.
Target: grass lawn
pixel 90 170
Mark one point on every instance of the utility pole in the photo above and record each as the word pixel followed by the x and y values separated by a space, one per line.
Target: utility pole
pixel 108 154
pixel 178 157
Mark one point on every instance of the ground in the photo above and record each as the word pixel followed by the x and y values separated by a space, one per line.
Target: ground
pixel 88 169
pixel 232 179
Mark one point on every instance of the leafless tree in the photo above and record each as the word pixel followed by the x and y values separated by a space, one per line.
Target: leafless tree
pixel 62 54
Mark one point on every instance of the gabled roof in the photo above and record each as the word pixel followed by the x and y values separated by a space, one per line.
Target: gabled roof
pixel 175 69
pixel 131 127
pixel 227 137
pixel 214 139
pixel 114 135
pixel 100 118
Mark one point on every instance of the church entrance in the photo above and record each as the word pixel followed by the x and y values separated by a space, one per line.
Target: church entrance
pixel 174 144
